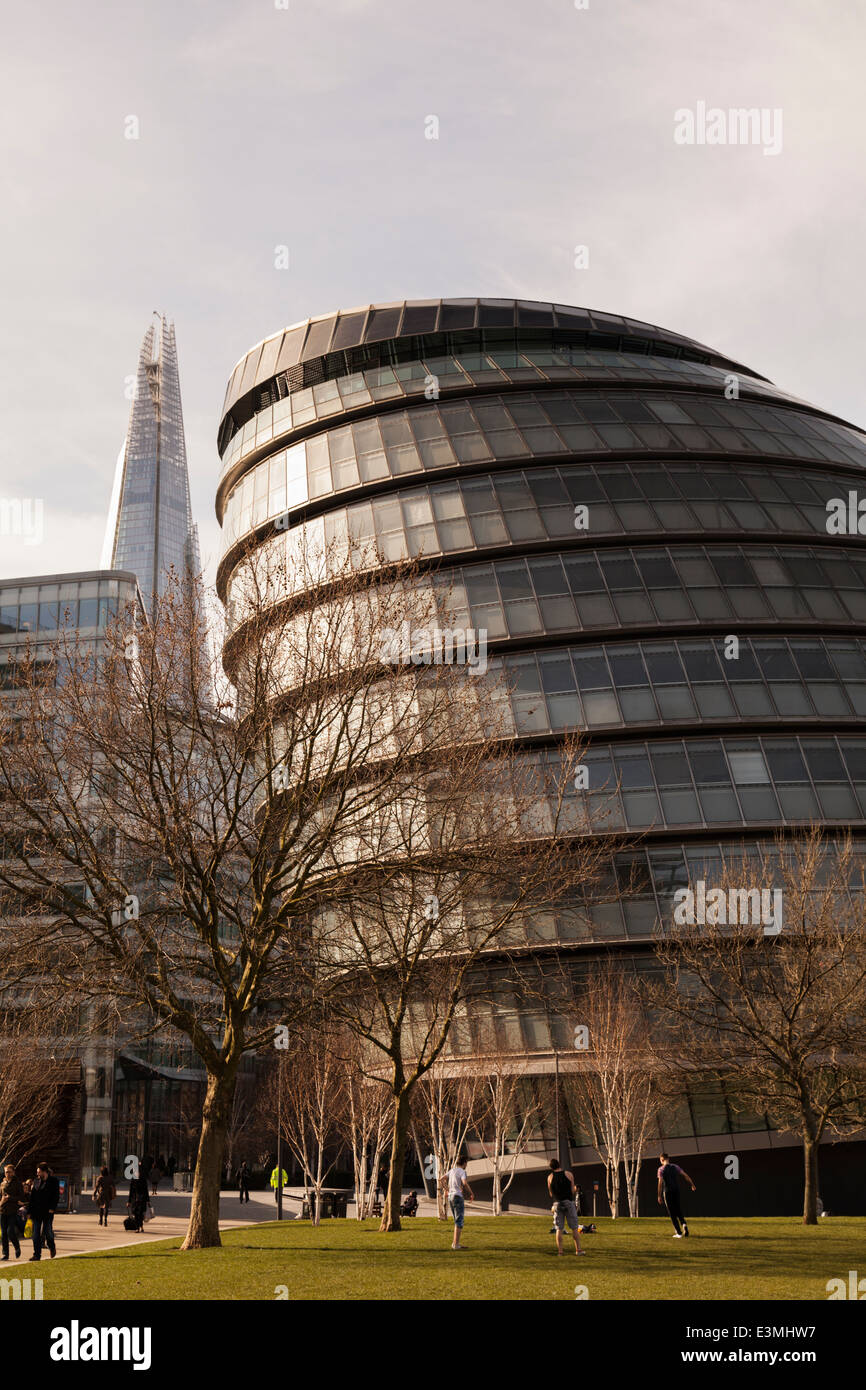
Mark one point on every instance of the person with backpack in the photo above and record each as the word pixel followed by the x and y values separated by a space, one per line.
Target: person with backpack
pixel 12 1196
pixel 104 1194
pixel 44 1196
pixel 669 1175
pixel 560 1185
pixel 137 1202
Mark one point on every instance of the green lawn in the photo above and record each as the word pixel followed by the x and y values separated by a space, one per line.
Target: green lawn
pixel 506 1258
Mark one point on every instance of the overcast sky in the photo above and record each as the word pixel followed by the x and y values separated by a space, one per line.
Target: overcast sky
pixel 262 126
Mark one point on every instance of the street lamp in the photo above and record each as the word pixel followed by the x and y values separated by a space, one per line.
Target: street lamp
pixel 280 1138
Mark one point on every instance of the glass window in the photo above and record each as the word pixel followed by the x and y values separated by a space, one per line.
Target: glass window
pixel 786 763
pixel 824 761
pixel 671 767
pixel 748 767
pixel 49 616
pixel 668 411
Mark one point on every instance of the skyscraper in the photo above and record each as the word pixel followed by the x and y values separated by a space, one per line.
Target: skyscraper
pixel 150 527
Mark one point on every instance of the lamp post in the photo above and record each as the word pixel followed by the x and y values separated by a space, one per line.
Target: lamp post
pixel 563 1149
pixel 280 1139
pixel 556 1095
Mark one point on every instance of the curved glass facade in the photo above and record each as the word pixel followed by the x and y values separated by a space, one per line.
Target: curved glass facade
pixel 277 410
pixel 519 506
pixel 531 425
pixel 646 549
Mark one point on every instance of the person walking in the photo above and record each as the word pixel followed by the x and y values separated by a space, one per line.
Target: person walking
pixel 136 1201
pixel 244 1181
pixel 561 1186
pixel 669 1175
pixel 12 1196
pixel 104 1194
pixel 155 1178
pixel 458 1191
pixel 44 1196
pixel 274 1183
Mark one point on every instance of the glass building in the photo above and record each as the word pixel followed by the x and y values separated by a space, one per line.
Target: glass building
pixel 138 1096
pixel 610 501
pixel 33 614
pixel 150 527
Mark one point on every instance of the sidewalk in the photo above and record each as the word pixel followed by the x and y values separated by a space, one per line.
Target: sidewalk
pixel 80 1233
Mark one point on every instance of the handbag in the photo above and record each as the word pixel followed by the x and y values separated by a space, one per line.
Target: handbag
pixel 149 1214
pixel 129 1224
pixel 28 1229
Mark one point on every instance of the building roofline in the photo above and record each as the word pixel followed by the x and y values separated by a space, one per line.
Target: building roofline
pixel 68 576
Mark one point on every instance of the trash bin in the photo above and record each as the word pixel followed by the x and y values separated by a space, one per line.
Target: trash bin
pixel 327 1208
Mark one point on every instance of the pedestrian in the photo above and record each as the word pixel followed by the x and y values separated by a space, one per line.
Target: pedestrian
pixel 562 1189
pixel 274 1183
pixel 155 1177
pixel 136 1201
pixel 44 1196
pixel 244 1181
pixel 12 1196
pixel 458 1190
pixel 669 1175
pixel 104 1194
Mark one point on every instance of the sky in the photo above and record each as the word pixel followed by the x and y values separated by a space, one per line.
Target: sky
pixel 303 123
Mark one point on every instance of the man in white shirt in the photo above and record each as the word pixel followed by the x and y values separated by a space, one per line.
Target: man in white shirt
pixel 457 1186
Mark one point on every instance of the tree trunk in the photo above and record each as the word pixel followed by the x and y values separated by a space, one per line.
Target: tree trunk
pixel 421 1164
pixel 204 1229
pixel 810 1188
pixel 391 1211
pixel 497 1188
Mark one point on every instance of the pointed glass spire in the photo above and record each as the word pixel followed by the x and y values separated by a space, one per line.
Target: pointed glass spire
pixel 150 526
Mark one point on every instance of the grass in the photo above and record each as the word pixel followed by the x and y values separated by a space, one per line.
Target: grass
pixel 510 1257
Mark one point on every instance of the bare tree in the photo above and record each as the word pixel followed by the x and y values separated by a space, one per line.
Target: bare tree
pixel 308 1091
pixel 165 855
pixel 764 989
pixel 451 1108
pixel 613 1078
pixel 367 1119
pixel 34 1068
pixel 512 1116
pixel 490 837
pixel 244 1125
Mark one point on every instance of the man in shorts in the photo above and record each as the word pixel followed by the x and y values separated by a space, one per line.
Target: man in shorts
pixel 458 1191
pixel 669 1184
pixel 560 1185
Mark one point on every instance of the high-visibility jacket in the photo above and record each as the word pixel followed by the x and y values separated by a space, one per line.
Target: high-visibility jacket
pixel 274 1178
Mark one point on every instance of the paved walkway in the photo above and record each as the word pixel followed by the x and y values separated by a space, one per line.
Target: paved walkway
pixel 80 1233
